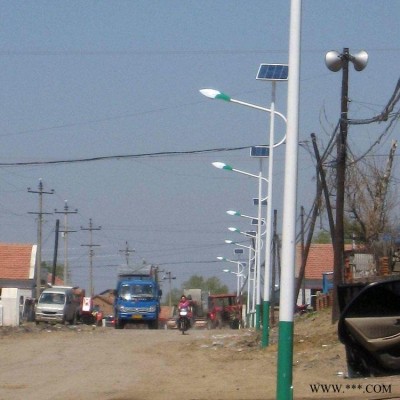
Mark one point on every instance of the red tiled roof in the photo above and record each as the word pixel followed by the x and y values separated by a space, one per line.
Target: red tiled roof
pixel 17 261
pixel 320 260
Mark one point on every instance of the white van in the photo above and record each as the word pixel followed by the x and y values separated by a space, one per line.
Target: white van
pixel 58 304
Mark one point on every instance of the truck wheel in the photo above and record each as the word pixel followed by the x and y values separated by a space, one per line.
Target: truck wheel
pixel 235 324
pixel 118 323
pixel 153 324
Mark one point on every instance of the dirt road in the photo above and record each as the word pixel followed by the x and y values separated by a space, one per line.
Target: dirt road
pixel 63 363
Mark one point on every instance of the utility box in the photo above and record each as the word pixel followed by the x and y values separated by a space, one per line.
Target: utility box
pixel 10 304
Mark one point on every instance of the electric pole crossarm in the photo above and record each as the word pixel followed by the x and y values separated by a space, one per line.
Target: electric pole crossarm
pixel 127 252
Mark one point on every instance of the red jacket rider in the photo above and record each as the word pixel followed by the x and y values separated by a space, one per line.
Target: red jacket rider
pixel 185 303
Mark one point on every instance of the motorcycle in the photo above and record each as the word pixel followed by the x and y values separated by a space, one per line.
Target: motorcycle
pixel 183 320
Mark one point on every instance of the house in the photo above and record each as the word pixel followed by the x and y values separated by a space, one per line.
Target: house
pixel 319 268
pixel 17 267
pixel 105 302
pixel 17 281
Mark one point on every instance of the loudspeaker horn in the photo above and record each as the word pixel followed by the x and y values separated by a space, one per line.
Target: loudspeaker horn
pixel 360 60
pixel 333 60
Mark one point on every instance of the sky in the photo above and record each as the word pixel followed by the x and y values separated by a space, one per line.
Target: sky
pixel 83 82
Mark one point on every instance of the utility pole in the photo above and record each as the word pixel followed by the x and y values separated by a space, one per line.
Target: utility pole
pixel 65 232
pixel 321 174
pixel 127 252
pixel 382 189
pixel 40 214
pixel 336 62
pixel 91 252
pixel 170 286
pixel 53 274
pixel 341 146
pixel 303 281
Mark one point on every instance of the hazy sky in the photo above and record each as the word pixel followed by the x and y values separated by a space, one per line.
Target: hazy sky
pixel 91 79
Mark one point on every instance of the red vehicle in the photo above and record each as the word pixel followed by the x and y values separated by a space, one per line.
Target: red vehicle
pixel 224 310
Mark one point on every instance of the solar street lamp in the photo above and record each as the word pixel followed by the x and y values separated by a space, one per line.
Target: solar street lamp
pixel 272 73
pixel 251 234
pixel 260 178
pixel 239 273
pixel 254 220
pixel 284 387
pixel 216 94
pixel 250 279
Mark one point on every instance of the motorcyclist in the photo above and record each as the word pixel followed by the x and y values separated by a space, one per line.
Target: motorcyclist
pixel 184 302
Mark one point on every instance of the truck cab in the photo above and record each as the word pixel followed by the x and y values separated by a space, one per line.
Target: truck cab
pixel 137 301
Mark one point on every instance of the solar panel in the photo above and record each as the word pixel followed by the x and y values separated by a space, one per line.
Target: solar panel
pixel 264 202
pixel 273 72
pixel 259 151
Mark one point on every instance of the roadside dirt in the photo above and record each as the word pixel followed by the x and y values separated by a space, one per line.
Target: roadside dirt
pixel 85 362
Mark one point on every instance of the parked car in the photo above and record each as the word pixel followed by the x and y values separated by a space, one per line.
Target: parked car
pixel 58 304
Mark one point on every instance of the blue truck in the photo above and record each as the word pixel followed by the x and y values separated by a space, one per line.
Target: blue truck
pixel 137 298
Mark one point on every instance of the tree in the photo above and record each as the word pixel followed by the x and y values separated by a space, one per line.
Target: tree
pixel 212 285
pixel 48 267
pixel 322 237
pixel 369 200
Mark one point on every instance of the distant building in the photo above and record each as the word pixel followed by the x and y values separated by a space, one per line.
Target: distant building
pixel 17 282
pixel 105 302
pixel 320 261
pixel 17 267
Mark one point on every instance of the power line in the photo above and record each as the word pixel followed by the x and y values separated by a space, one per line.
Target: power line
pixel 125 156
pixel 130 156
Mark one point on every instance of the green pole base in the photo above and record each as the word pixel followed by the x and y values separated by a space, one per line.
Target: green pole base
pixel 284 390
pixel 265 325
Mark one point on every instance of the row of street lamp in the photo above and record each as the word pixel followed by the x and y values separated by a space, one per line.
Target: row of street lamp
pixel 335 62
pixel 266 70
pixel 214 94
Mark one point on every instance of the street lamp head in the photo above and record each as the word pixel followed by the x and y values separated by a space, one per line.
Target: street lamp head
pixel 229 241
pixel 215 94
pixel 222 165
pixel 232 229
pixel 232 212
pixel 221 258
